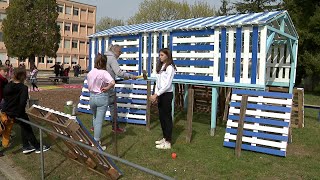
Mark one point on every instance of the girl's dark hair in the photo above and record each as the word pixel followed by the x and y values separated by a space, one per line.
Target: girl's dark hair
pixel 168 62
pixel 100 62
pixel 20 74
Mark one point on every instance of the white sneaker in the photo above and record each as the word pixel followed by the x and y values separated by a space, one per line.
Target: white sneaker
pixel 160 141
pixel 165 145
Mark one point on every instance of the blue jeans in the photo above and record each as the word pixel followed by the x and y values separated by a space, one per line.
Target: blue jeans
pixel 112 106
pixel 98 105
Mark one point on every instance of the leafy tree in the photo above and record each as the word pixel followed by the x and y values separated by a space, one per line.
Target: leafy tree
pixel 248 6
pixel 164 10
pixel 306 18
pixel 30 29
pixel 107 23
pixel 225 8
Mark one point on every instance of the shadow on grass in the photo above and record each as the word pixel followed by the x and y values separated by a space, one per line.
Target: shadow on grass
pixel 55 168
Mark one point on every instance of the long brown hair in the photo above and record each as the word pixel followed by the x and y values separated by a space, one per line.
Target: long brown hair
pixel 100 62
pixel 168 62
pixel 20 74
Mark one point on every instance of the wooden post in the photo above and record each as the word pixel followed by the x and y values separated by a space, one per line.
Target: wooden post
pixel 115 119
pixel 243 109
pixel 226 108
pixel 148 104
pixel 190 114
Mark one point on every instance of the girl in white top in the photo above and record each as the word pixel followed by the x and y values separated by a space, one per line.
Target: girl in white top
pixel 163 92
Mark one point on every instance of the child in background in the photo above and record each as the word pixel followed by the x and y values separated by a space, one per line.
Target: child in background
pixel 33 77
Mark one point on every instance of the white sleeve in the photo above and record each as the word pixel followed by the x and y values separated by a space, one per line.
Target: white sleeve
pixel 168 82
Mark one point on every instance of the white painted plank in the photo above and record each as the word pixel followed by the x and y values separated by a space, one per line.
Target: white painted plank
pixel 263 113
pixel 145 51
pixel 230 55
pixel 262 60
pixel 260 99
pixel 216 55
pixel 209 39
pixel 245 63
pixel 165 40
pixel 155 54
pixel 132 96
pixel 196 70
pixel 283 130
pixel 127 43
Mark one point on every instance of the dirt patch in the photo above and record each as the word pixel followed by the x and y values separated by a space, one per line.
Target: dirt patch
pixel 56 98
pixel 298 150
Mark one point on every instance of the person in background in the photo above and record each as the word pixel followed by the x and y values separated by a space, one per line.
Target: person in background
pixel 62 70
pixel 163 93
pixel 76 70
pixel 10 69
pixel 3 82
pixel 56 70
pixel 0 62
pixel 99 83
pixel 15 100
pixel 114 70
pixel 33 77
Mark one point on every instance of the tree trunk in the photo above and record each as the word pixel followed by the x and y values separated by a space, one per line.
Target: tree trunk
pixel 31 60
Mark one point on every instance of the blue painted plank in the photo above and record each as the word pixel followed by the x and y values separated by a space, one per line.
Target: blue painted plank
pixel 132 111
pixel 193 77
pixel 86 94
pixel 205 32
pixel 262 107
pixel 149 53
pixel 223 49
pixel 193 62
pixel 130 49
pixel 160 42
pixel 256 149
pixel 134 91
pixel 171 41
pixel 132 101
pixel 193 48
pixel 84 102
pixel 96 46
pixel 242 17
pixel 118 38
pixel 262 93
pixel 238 54
pixel 258 135
pixel 121 62
pixel 273 122
pixel 135 82
pixel 103 45
pixel 255 37
pixel 85 86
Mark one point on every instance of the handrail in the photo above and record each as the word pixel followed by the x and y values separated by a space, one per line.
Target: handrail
pixel 141 168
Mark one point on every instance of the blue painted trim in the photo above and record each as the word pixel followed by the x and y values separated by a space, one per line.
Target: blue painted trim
pixel 118 38
pixel 293 54
pixel 268 121
pixel 238 54
pixel 214 106
pixel 263 107
pixel 121 62
pixel 193 62
pixel 90 54
pixel 281 33
pixel 270 41
pixel 149 54
pixel 140 53
pixel 262 93
pixel 193 77
pixel 256 149
pixel 204 32
pixel 223 49
pixel 96 47
pixel 193 48
pixel 279 84
pixel 160 42
pixel 130 49
pixel 259 135
pixel 103 42
pixel 254 67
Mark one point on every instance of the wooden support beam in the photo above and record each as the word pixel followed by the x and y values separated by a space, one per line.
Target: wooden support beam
pixel 243 109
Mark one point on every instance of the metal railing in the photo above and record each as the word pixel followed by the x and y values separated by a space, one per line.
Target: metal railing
pixel 41 128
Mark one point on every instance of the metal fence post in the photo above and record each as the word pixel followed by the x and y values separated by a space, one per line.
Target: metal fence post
pixel 41 155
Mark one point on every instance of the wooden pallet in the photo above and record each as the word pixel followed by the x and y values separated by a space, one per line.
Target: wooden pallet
pixel 297 114
pixel 72 127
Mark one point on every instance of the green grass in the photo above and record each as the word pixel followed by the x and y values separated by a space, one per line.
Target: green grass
pixel 203 158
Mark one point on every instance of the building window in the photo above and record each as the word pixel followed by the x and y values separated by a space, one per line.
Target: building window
pixel 74 44
pixel 67 26
pixel 60 25
pixel 40 59
pixel 60 8
pixel 75 11
pixel 67 44
pixel 60 43
pixel 2 16
pixel 83 11
pixel 59 59
pixel 1 37
pixel 90 12
pixel 74 60
pixel 68 10
pixel 75 28
pixel 49 60
pixel 66 60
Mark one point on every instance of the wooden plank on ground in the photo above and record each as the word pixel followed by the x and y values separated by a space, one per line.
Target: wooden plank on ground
pixel 243 109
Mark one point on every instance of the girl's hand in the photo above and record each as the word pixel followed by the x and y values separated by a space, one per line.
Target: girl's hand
pixel 153 98
pixel 104 89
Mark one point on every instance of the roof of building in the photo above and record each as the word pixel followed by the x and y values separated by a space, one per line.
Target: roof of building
pixel 235 20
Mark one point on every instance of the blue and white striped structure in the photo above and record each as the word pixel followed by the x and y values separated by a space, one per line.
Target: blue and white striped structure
pixel 131 101
pixel 266 123
pixel 242 50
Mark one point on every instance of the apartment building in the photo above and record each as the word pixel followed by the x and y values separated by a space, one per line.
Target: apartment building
pixel 76 21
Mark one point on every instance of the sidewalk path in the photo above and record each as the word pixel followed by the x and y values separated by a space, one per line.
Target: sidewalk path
pixel 9 171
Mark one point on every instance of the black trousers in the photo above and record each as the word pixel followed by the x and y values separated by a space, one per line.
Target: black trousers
pixel 165 110
pixel 27 136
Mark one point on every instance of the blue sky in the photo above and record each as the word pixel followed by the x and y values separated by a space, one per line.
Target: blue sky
pixel 123 9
